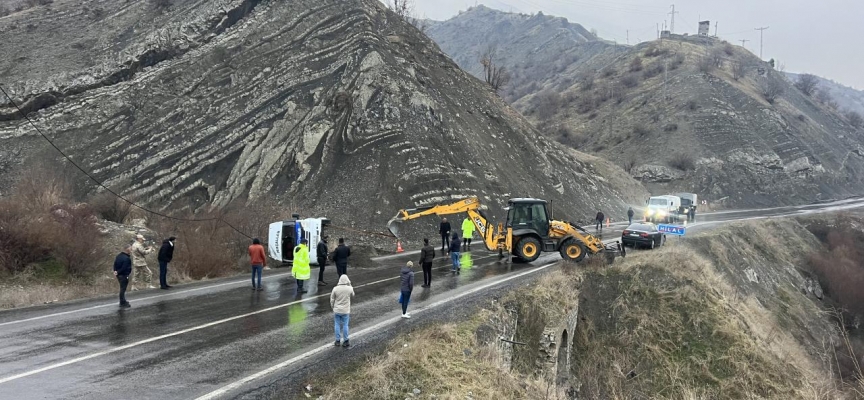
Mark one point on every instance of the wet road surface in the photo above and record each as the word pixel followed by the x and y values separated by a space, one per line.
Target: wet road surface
pixel 221 339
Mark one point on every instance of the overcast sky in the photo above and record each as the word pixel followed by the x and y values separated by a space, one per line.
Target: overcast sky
pixel 817 36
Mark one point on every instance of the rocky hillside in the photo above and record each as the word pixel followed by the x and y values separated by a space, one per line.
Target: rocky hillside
pixel 846 98
pixel 531 47
pixel 337 107
pixel 684 114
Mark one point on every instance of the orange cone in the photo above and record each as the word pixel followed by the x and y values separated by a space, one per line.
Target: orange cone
pixel 399 246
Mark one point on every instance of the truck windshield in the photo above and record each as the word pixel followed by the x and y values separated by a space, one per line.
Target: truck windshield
pixel 657 202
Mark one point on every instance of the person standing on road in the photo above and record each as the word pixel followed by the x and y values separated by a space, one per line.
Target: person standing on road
pixel 340 302
pixel 340 257
pixel 427 254
pixel 444 230
pixel 630 214
pixel 599 219
pixel 166 254
pixel 321 254
pixel 300 269
pixel 139 263
pixel 467 232
pixel 258 260
pixel 122 270
pixel 407 280
pixel 455 246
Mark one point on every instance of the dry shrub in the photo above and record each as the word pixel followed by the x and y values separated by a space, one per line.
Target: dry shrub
pixel 682 161
pixel 216 247
pixel 76 239
pixel 636 64
pixel 630 81
pixel 840 266
pixel 110 207
pixel 40 223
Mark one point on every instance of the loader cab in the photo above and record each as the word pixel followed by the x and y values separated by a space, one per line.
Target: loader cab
pixel 528 214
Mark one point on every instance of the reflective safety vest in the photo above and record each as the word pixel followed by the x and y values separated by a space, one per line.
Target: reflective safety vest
pixel 300 268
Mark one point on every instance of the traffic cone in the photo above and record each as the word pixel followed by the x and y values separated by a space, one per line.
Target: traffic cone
pixel 399 246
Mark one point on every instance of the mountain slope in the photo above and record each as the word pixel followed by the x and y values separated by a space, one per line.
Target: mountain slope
pixel 530 46
pixel 337 107
pixel 666 112
pixel 847 98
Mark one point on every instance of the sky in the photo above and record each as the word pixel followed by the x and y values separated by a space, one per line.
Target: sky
pixel 813 36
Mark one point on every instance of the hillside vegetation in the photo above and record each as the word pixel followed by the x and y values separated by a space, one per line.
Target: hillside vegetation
pixel 724 314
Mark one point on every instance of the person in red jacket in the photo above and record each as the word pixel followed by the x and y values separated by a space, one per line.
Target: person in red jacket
pixel 258 260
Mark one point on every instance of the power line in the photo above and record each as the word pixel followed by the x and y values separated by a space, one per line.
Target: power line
pixel 98 182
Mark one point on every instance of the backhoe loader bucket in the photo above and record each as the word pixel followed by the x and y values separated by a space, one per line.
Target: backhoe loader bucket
pixel 394 225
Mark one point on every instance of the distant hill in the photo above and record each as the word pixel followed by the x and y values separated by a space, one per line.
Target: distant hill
pixel 681 114
pixel 847 98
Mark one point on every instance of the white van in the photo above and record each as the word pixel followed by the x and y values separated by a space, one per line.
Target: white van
pixel 285 235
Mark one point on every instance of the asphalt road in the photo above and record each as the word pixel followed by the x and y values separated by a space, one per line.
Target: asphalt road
pixel 219 339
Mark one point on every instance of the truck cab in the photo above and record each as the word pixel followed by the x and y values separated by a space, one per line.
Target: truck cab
pixel 662 209
pixel 689 201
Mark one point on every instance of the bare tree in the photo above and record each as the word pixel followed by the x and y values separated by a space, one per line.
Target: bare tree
pixel 807 83
pixel 495 75
pixel 402 8
pixel 771 89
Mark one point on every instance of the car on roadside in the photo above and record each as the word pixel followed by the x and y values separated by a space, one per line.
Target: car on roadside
pixel 643 234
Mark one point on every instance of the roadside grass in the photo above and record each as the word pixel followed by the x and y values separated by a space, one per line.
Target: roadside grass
pixel 444 362
pixel 663 325
pixel 449 361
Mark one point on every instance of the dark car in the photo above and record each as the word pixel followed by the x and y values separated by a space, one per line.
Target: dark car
pixel 643 234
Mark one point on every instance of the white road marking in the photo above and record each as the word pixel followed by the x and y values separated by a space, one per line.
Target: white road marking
pixel 114 304
pixel 227 388
pixel 180 332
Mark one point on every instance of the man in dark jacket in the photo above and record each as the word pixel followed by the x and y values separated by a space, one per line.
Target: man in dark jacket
pixel 166 253
pixel 321 255
pixel 122 269
pixel 427 254
pixel 444 230
pixel 630 214
pixel 340 257
pixel 599 219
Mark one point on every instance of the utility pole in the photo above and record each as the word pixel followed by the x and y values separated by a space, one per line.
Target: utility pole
pixel 715 28
pixel 743 41
pixel 672 23
pixel 628 37
pixel 761 34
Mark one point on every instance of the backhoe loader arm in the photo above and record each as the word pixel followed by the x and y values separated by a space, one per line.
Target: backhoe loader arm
pixel 470 205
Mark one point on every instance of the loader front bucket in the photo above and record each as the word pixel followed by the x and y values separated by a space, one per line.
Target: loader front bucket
pixel 394 225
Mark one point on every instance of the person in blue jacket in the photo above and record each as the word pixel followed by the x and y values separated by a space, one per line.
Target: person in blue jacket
pixel 122 270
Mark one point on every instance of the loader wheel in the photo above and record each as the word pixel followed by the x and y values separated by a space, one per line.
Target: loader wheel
pixel 528 249
pixel 572 251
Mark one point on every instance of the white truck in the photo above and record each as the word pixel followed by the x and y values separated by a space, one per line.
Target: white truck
pixel 663 209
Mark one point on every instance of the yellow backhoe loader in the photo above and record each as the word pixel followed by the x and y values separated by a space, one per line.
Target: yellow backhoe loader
pixel 528 231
